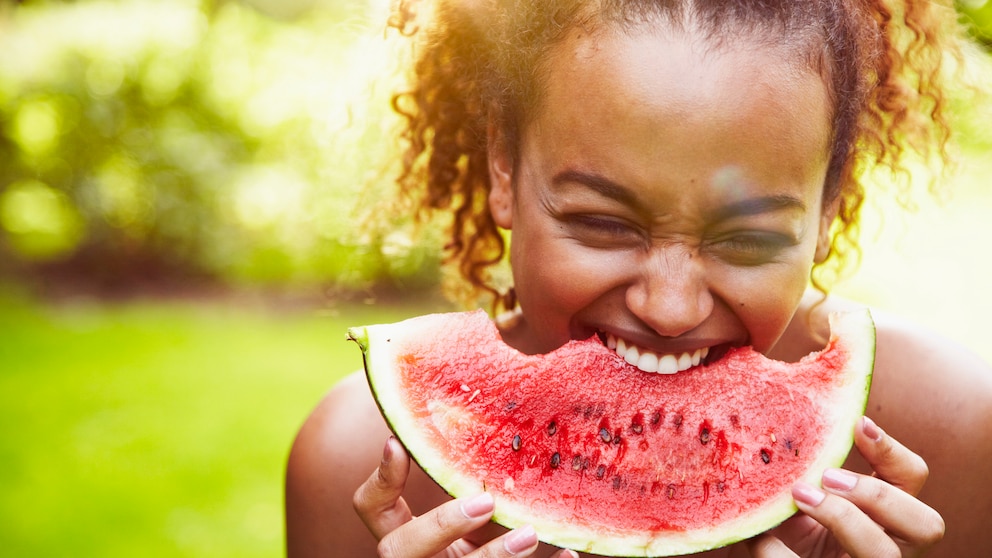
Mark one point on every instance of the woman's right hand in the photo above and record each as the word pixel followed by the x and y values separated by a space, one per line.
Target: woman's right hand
pixel 441 531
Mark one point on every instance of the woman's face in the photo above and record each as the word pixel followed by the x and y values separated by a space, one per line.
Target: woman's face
pixel 667 194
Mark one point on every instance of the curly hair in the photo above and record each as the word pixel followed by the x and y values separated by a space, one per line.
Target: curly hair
pixel 482 61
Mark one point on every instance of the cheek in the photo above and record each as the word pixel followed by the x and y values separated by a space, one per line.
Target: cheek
pixel 557 278
pixel 551 270
pixel 767 301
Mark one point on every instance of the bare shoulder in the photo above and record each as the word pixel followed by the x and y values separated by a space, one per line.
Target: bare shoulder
pixel 928 383
pixel 337 448
pixel 935 397
pixel 933 385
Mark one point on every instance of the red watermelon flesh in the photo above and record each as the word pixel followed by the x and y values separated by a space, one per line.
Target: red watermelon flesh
pixel 601 457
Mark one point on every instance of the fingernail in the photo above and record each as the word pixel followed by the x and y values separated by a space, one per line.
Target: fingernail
pixel 478 505
pixel 806 494
pixel 387 450
pixel 520 539
pixel 839 479
pixel 871 429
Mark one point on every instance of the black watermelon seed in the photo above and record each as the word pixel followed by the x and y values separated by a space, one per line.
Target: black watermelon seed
pixel 555 460
pixel 552 428
pixel 765 456
pixel 605 435
pixel 704 436
pixel 600 471
pixel 516 442
pixel 577 463
pixel 617 483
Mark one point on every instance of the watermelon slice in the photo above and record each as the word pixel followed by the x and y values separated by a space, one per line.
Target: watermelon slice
pixel 601 457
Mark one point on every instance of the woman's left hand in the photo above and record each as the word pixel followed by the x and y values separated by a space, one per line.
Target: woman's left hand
pixel 860 515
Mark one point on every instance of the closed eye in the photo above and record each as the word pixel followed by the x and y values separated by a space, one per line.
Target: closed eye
pixel 597 229
pixel 752 248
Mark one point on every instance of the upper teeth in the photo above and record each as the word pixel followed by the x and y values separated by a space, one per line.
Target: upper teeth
pixel 650 361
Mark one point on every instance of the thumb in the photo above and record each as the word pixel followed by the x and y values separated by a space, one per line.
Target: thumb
pixel 378 501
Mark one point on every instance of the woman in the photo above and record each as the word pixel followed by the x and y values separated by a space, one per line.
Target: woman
pixel 671 173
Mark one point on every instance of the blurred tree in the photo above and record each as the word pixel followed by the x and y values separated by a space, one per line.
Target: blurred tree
pixel 158 143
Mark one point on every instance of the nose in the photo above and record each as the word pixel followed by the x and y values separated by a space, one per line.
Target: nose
pixel 670 293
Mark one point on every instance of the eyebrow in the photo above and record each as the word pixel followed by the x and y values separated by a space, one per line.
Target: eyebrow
pixel 598 183
pixel 742 208
pixel 759 205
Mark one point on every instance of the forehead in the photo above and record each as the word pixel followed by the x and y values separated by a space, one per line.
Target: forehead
pixel 729 103
pixel 684 66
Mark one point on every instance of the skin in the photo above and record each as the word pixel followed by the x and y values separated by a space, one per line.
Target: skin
pixel 658 191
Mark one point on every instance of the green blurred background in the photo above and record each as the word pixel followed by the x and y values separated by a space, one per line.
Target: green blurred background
pixel 181 251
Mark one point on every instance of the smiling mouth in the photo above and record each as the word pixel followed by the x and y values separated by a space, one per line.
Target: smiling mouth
pixel 652 362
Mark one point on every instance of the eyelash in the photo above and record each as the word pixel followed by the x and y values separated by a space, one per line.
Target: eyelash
pixel 759 247
pixel 748 243
pixel 602 226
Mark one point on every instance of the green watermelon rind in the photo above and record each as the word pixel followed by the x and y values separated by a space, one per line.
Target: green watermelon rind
pixel 855 329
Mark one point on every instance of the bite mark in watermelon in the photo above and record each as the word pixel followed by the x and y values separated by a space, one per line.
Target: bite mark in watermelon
pixel 601 457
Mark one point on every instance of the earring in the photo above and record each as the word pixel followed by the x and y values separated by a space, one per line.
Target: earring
pixel 509 299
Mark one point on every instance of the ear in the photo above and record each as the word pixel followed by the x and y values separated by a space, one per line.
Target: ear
pixel 500 177
pixel 823 238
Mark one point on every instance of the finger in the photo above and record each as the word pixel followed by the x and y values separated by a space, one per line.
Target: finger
pixel 857 533
pixel 786 540
pixel 898 512
pixel 521 541
pixel 432 532
pixel 378 501
pixel 769 546
pixel 566 553
pixel 891 461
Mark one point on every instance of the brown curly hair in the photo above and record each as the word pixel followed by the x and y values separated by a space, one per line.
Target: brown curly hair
pixel 482 61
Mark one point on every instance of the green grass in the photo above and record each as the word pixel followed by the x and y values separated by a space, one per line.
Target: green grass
pixel 158 429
